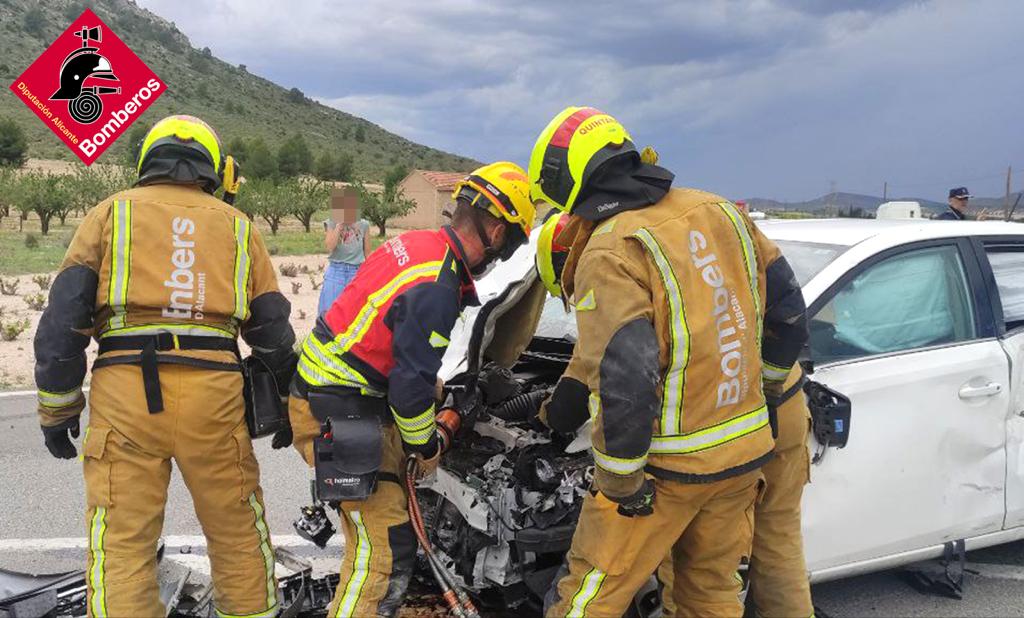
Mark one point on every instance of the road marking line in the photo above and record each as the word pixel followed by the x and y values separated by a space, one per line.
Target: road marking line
pixel 17 394
pixel 170 542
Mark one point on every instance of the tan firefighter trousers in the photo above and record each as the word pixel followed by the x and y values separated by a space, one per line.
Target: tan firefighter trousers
pixel 380 545
pixel 779 586
pixel 127 456
pixel 707 526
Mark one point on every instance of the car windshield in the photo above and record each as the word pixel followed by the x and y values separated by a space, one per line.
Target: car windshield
pixel 808 258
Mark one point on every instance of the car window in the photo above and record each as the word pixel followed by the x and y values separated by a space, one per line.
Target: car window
pixel 1008 268
pixel 910 300
pixel 808 258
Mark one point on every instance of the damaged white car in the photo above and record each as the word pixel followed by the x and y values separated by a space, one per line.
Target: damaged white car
pixel 920 324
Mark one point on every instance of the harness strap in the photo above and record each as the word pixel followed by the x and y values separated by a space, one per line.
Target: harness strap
pixel 151 360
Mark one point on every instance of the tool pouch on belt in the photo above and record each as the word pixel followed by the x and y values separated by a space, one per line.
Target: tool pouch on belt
pixel 830 414
pixel 265 413
pixel 348 453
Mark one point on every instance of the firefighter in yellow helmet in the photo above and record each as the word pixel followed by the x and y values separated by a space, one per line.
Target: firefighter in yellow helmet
pixel 365 393
pixel 687 315
pixel 166 277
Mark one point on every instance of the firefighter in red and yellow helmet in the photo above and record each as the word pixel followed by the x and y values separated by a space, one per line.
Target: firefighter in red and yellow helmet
pixel 687 315
pixel 365 393
pixel 166 277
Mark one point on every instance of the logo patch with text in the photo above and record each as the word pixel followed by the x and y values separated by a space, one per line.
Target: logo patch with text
pixel 88 87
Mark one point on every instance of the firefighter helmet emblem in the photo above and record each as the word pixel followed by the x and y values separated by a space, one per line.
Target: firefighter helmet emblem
pixel 82 65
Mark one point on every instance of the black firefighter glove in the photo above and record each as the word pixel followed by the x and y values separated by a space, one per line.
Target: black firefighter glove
pixel 58 440
pixel 640 504
pixel 282 439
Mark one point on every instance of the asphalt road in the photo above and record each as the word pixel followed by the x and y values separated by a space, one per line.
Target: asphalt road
pixel 42 529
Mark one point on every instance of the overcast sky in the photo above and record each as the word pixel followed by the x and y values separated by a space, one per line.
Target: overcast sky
pixel 768 98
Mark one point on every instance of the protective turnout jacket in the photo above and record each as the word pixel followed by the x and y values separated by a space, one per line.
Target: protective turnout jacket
pixel 166 260
pixel 683 308
pixel 385 335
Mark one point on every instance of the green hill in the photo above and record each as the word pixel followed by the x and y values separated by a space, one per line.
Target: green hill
pixel 234 101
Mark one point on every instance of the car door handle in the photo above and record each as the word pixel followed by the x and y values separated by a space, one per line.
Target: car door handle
pixel 973 392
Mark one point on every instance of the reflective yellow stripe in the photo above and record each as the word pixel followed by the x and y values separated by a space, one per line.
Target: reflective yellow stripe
pixel 268 554
pixel 438 340
pixel 619 465
pixel 593 405
pixel 329 363
pixel 589 588
pixel 97 531
pixel 194 330
pixel 587 303
pixel 242 268
pixel 360 569
pixel 773 373
pixel 749 259
pixel 711 436
pixel 59 400
pixel 418 429
pixel 120 262
pixel 357 329
pixel 679 355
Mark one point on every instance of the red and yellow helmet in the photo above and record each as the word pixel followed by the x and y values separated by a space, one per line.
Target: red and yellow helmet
pixel 574 144
pixel 551 255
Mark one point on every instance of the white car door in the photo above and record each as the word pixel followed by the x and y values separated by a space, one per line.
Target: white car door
pixel 1006 258
pixel 900 336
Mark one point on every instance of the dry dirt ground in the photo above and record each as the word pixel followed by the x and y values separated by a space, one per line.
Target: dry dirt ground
pixel 16 357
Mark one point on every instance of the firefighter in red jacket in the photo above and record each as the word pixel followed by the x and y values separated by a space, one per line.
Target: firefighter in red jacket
pixel 364 397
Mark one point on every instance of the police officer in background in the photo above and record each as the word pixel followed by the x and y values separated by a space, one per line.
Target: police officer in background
pixel 166 277
pixel 957 210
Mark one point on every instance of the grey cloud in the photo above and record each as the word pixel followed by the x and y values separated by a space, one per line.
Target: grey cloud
pixel 772 98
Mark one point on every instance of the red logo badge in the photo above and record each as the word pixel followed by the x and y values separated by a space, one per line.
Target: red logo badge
pixel 88 87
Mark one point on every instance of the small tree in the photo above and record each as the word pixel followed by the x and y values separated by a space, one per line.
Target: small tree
pixel 379 207
pixel 264 199
pixel 260 162
pixel 296 96
pixel 239 149
pixel 325 166
pixel 360 134
pixel 88 186
pixel 7 189
pixel 309 196
pixel 13 145
pixel 44 194
pixel 294 157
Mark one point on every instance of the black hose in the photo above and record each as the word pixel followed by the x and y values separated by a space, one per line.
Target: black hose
pixel 520 407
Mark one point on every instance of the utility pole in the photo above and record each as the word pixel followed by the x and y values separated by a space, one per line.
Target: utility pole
pixel 1006 201
pixel 885 191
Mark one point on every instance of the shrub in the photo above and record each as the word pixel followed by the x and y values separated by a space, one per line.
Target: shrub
pixel 13 144
pixel 316 283
pixel 35 302
pixel 302 314
pixel 289 269
pixel 43 281
pixel 8 287
pixel 31 241
pixel 9 331
pixel 296 286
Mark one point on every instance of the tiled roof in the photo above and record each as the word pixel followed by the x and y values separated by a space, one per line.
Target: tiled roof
pixel 444 181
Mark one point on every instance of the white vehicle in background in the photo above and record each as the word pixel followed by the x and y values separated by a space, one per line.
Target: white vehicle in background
pixel 899 210
pixel 919 323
